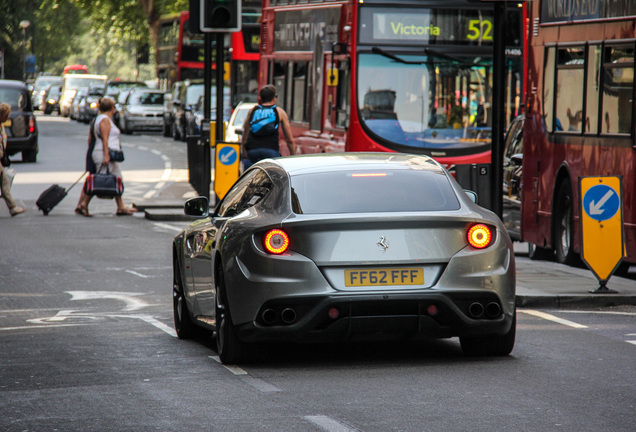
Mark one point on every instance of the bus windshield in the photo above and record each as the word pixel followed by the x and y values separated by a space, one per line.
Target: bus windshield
pixel 425 101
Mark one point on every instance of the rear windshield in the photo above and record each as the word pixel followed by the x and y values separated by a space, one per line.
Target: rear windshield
pixel 146 99
pixel 17 98
pixel 372 191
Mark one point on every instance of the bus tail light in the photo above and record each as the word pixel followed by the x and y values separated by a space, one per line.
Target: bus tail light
pixel 276 241
pixel 479 236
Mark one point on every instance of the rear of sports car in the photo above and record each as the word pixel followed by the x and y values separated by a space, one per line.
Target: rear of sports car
pixel 376 258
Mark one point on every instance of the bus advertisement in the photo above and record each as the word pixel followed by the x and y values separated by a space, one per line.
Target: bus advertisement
pixel 408 76
pixel 579 120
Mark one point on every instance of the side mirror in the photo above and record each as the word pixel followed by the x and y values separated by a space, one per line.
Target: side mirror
pixel 197 207
pixel 472 195
pixel 517 158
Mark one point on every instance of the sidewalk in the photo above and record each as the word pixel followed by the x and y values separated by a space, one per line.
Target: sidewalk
pixel 540 284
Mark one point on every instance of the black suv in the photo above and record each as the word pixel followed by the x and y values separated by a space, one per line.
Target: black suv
pixel 21 128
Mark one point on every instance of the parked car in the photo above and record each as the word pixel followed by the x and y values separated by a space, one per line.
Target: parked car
pixel 191 115
pixel 512 170
pixel 169 108
pixel 335 247
pixel 119 104
pixel 21 127
pixel 91 108
pixel 113 88
pixel 143 110
pixel 51 100
pixel 40 86
pixel 189 94
pixel 237 119
pixel 77 100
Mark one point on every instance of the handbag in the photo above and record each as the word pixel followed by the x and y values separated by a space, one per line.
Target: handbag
pixel 116 155
pixel 104 184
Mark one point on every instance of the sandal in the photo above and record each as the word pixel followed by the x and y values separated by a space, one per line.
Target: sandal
pixel 83 211
pixel 126 212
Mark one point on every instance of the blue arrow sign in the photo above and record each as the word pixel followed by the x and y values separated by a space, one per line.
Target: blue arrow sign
pixel 228 156
pixel 601 202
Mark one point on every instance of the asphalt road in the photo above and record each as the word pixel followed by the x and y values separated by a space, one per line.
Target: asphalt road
pixel 88 345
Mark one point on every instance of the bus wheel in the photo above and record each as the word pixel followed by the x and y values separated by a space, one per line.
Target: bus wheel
pixel 564 226
pixel 536 253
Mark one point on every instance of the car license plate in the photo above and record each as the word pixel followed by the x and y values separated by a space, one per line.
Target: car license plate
pixel 384 277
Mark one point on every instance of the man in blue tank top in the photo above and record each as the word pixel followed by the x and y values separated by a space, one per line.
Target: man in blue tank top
pixel 260 139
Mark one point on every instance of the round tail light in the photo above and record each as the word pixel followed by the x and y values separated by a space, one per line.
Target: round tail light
pixel 276 241
pixel 479 236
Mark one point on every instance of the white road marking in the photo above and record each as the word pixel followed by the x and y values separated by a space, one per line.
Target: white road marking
pixel 128 298
pixel 234 369
pixel 329 424
pixel 152 321
pixel 552 318
pixel 38 326
pixel 137 274
pixel 167 226
pixel 631 342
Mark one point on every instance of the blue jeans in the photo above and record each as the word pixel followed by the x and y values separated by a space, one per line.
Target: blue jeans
pixel 254 155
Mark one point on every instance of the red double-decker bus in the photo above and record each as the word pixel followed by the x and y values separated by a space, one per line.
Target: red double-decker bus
pixel 389 75
pixel 580 118
pixel 180 54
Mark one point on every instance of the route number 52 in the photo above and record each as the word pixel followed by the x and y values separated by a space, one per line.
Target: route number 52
pixel 479 30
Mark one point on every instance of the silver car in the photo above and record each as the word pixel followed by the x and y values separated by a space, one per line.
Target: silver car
pixel 336 247
pixel 143 110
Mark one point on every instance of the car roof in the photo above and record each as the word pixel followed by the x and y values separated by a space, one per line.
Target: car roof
pixel 13 84
pixel 316 163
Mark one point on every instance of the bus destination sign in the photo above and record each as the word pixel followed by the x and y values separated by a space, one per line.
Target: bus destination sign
pixel 382 25
pixel 298 30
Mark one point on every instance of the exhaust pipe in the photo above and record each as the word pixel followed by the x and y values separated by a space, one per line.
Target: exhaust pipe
pixel 476 310
pixel 288 316
pixel 269 316
pixel 493 310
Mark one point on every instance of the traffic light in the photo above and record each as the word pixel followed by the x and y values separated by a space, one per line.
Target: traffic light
pixel 220 15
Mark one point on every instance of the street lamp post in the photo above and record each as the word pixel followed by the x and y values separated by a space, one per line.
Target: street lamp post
pixel 24 25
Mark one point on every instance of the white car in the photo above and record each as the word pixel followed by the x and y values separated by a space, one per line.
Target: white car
pixel 236 121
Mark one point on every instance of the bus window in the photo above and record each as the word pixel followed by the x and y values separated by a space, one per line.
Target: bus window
pixel 279 74
pixel 342 96
pixel 299 93
pixel 548 89
pixel 593 88
pixel 569 89
pixel 618 89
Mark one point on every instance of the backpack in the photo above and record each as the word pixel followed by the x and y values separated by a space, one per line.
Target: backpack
pixel 264 121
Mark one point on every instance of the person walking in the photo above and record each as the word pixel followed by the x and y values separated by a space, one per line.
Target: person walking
pixel 84 199
pixel 5 185
pixel 107 137
pixel 260 137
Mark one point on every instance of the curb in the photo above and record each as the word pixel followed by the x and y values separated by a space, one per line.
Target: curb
pixel 575 301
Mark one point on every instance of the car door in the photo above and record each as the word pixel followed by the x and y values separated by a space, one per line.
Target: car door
pixel 203 244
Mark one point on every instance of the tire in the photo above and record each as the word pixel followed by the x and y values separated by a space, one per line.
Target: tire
pixel 537 253
pixel 182 324
pixel 230 349
pixel 490 346
pixel 564 226
pixel 30 156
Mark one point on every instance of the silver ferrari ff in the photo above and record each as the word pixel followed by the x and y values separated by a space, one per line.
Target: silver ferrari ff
pixel 339 247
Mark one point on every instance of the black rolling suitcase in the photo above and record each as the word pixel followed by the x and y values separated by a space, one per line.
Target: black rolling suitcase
pixel 53 195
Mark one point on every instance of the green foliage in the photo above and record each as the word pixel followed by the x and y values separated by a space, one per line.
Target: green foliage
pixel 99 33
